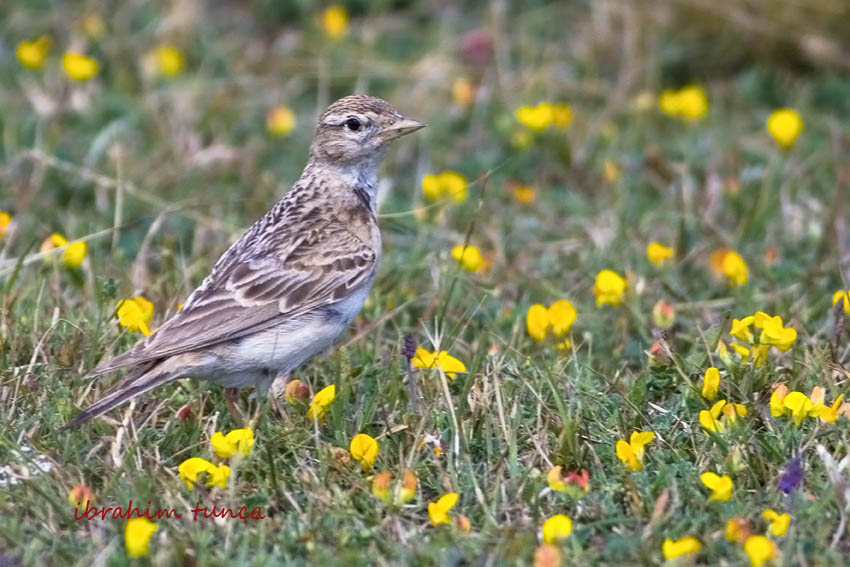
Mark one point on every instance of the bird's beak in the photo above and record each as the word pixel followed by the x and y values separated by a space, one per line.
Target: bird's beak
pixel 402 127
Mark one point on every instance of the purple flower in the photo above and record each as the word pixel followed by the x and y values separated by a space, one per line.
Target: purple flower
pixel 793 475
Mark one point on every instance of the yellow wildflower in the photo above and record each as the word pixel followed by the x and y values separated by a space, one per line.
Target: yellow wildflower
pixel 74 254
pixel 734 268
pixel 137 536
pixel 562 115
pixel 737 529
pixel 537 322
pixel 321 401
pixel 135 314
pixel 840 295
pixel 777 401
pixel 5 221
pixel 658 253
pixel 169 60
pixel 556 528
pixel 295 392
pixel 78 66
pixel 610 288
pixel 682 546
pixel 562 315
pixel 442 359
pixel 689 103
pixel 463 91
pixel 447 184
pixel 631 453
pixel 610 171
pixel 364 448
pixel 778 522
pixel 742 351
pixel 774 333
pixel 720 486
pixel 830 414
pixel 469 257
pixel 741 329
pixel 280 121
pixel 734 411
pixel 800 407
pixel 710 383
pixel 190 469
pixel 760 353
pixel 710 419
pixel 32 54
pixel 784 125
pixel 525 194
pixel 335 21
pixel 538 118
pixel 438 512
pixel 759 549
pixel 239 441
pixel 381 486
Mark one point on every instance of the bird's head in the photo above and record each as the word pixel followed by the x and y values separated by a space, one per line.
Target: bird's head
pixel 354 131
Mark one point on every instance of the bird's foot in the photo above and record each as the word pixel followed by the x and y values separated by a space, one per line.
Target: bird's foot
pixel 231 395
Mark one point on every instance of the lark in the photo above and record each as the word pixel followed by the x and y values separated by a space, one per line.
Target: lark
pixel 292 283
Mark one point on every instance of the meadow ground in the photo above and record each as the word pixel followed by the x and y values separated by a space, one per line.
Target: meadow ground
pixel 191 119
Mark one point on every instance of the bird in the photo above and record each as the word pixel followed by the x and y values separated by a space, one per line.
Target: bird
pixel 291 284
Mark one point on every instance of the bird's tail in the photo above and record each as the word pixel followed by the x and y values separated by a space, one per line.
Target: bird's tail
pixel 138 382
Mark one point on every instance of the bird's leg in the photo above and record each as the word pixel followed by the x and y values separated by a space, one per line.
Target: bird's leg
pixel 277 392
pixel 231 395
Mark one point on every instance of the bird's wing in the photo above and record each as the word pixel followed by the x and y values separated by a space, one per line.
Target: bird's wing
pixel 263 278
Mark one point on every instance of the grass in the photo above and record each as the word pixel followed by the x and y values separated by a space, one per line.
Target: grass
pixel 159 175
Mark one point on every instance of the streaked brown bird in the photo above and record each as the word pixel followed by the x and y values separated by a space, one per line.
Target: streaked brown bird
pixel 292 283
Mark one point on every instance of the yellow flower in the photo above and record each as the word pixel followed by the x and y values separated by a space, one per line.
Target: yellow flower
pixel 191 468
pixel 658 253
pixel 280 121
pixel 335 21
pixel 610 171
pixel 710 383
pixel 239 441
pixel 135 314
pixel 32 54
pixel 78 66
pixel 773 333
pixel 562 315
pixel 777 401
pixel 759 549
pixel 829 414
pixel 463 91
pixel 137 536
pixel 784 125
pixel 778 522
pixel 631 453
pixel 438 512
pixel 364 448
pixel 741 329
pixel 295 392
pixel 610 288
pixel 734 268
pixel 442 359
pixel 709 419
pixel 321 401
pixel 381 486
pixel 537 322
pixel 538 118
pixel 446 184
pixel 408 487
pixel 682 546
pixel 524 194
pixel 562 115
pixel 469 257
pixel 734 411
pixel 742 351
pixel 800 407
pixel 556 528
pixel 840 295
pixel 689 102
pixel 720 486
pixel 737 529
pixel 169 60
pixel 74 254
pixel 5 221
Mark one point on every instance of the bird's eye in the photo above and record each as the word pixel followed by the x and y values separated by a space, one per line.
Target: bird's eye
pixel 353 124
